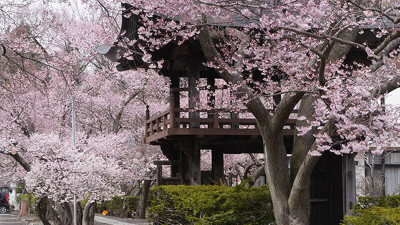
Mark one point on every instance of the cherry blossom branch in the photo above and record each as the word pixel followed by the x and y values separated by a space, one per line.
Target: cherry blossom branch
pixel 212 55
pixel 247 169
pixel 386 87
pixel 292 91
pixel 314 50
pixel 107 12
pixel 255 160
pixel 325 37
pixel 117 119
pixel 388 39
pixel 21 161
pixel 283 111
pixel 22 68
pixel 235 4
pixel 259 172
pixel 14 154
pixel 394 20
pixel 322 64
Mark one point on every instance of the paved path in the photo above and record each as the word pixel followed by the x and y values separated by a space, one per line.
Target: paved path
pixel 110 220
pixel 10 219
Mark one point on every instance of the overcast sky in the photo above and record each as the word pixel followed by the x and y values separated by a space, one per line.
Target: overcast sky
pixel 393 98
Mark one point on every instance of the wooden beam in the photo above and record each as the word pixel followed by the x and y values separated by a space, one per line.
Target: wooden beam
pixel 164 162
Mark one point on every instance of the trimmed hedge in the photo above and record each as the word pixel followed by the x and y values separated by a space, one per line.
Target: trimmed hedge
pixel 381 201
pixel 210 204
pixel 120 206
pixel 375 211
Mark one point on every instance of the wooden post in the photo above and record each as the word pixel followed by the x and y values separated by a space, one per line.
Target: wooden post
pixel 193 74
pixel 158 124
pixel 216 123
pixel 217 165
pixel 234 115
pixel 159 174
pixel 152 127
pixel 191 147
pixel 211 96
pixel 164 122
pixel 172 111
pixel 183 166
pixel 147 112
pixel 174 101
pixel 194 163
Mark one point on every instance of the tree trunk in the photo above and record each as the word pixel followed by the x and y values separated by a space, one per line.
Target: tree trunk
pixel 260 171
pixel 65 213
pixel 301 146
pixel 141 209
pixel 290 201
pixel 91 214
pixel 41 209
pixel 88 213
pixel 277 174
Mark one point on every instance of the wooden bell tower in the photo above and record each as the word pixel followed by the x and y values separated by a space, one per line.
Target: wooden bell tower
pixel 183 131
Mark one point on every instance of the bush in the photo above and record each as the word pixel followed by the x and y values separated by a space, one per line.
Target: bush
pixel 373 216
pixel 121 206
pixel 30 200
pixel 375 211
pixel 381 201
pixel 210 205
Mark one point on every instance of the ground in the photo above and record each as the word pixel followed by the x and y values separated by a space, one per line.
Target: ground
pixel 14 218
pixel 10 219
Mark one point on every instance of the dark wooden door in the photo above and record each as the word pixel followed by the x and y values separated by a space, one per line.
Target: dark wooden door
pixel 326 191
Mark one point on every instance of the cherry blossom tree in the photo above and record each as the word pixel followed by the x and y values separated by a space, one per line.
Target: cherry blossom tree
pixel 296 50
pixel 274 55
pixel 47 61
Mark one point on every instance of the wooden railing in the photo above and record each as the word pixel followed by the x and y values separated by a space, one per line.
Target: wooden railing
pixel 207 122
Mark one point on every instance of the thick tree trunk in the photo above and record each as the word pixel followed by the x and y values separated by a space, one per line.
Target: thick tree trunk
pixel 91 214
pixel 141 209
pixel 301 213
pixel 88 213
pixel 301 146
pixel 65 213
pixel 277 174
pixel 41 209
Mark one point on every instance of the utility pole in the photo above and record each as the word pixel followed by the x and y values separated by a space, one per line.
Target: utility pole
pixel 74 146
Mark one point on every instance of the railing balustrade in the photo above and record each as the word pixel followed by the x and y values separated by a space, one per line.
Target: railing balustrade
pixel 209 122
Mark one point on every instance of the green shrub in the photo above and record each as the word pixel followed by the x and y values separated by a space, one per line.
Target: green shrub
pixel 210 205
pixel 375 211
pixel 30 200
pixel 121 206
pixel 373 216
pixel 381 201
